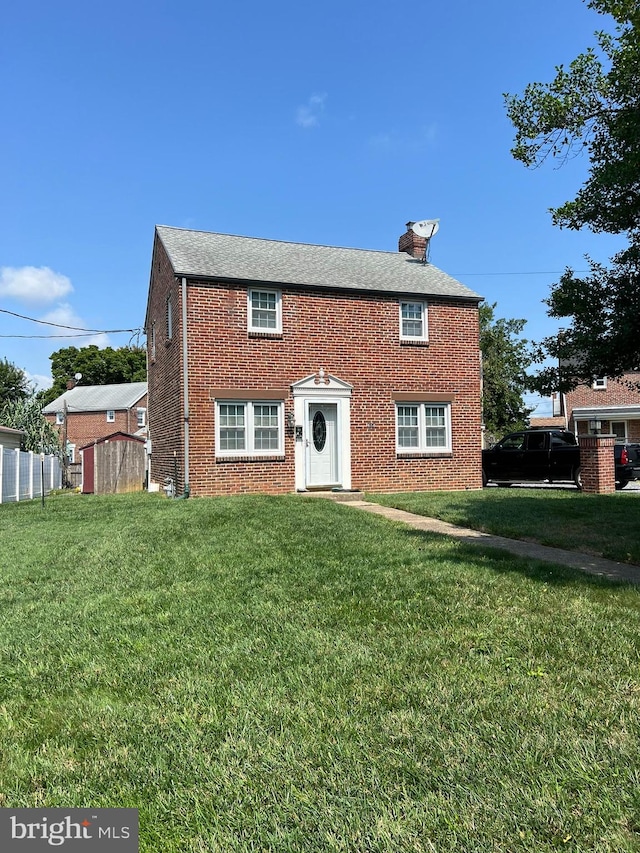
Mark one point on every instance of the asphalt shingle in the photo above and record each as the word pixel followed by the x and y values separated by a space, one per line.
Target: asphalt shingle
pixel 224 257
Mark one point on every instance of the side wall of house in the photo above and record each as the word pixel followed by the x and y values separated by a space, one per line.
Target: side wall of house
pixel 82 428
pixel 164 359
pixel 618 393
pixel 354 337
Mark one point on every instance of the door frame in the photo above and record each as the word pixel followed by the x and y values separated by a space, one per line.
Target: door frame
pixel 320 388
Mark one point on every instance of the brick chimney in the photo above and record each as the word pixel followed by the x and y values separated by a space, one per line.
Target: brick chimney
pixel 412 244
pixel 71 383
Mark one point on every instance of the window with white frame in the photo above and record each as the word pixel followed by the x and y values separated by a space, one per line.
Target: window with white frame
pixel 619 429
pixel 413 321
pixel 249 428
pixel 423 427
pixel 600 383
pixel 265 311
pixel 111 416
pixel 141 417
pixel 59 418
pixel 169 318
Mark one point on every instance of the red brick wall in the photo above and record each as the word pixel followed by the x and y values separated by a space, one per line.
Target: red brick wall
pixel 622 392
pixel 355 337
pixel 166 424
pixel 84 427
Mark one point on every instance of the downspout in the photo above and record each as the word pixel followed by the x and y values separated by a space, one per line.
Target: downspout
pixel 185 386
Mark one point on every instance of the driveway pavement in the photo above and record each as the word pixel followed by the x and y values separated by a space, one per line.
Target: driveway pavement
pixel 584 562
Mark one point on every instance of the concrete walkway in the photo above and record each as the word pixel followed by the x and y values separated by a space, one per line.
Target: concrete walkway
pixel 584 562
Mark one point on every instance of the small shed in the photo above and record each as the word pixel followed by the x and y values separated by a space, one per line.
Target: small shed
pixel 114 464
pixel 10 439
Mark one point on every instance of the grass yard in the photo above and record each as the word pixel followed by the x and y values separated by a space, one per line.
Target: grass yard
pixel 604 525
pixel 282 674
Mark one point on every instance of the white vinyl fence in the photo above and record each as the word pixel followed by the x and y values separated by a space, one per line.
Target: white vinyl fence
pixel 21 475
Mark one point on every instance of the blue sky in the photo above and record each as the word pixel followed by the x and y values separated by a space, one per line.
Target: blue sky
pixel 330 123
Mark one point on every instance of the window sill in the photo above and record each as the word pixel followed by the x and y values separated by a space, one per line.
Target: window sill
pixel 274 336
pixel 246 458
pixel 425 454
pixel 418 342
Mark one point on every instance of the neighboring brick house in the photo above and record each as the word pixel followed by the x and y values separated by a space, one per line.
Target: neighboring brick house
pixel 613 402
pixel 87 413
pixel 276 367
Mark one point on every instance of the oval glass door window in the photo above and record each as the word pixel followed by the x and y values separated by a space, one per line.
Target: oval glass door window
pixel 319 431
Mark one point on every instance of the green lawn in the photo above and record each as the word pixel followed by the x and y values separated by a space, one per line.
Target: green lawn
pixel 605 525
pixel 287 674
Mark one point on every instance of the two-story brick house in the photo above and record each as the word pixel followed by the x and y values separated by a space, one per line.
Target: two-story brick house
pixel 276 367
pixel 87 413
pixel 614 403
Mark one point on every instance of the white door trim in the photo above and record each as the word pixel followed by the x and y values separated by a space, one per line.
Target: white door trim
pixel 314 389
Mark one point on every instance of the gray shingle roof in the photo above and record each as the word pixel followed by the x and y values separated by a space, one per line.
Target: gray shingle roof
pixel 203 254
pixel 98 398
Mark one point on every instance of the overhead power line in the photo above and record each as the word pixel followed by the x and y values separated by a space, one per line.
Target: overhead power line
pixel 86 332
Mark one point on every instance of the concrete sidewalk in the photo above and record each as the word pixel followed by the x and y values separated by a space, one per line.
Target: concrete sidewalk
pixel 584 562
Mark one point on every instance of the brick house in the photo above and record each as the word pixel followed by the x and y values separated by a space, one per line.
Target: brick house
pixel 276 367
pixel 613 402
pixel 86 413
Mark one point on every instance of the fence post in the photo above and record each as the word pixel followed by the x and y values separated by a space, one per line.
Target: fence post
pixel 1 472
pixel 30 475
pixel 17 475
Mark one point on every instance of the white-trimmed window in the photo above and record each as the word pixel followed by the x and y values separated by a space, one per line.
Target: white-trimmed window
pixel 249 428
pixel 600 383
pixel 423 427
pixel 413 321
pixel 264 311
pixel 111 416
pixel 169 318
pixel 59 418
pixel 141 415
pixel 619 429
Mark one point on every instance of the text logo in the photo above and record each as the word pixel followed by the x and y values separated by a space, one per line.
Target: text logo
pixel 72 830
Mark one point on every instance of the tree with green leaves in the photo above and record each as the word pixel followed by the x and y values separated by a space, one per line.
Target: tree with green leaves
pixel 593 106
pixel 25 414
pixel 505 360
pixel 14 384
pixel 106 366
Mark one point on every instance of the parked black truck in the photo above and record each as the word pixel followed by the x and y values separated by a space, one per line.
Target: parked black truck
pixel 551 455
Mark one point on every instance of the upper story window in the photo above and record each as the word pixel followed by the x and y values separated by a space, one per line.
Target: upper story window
pixel 142 417
pixel 59 418
pixel 423 427
pixel 600 383
pixel 413 321
pixel 111 416
pixel 265 311
pixel 249 428
pixel 169 318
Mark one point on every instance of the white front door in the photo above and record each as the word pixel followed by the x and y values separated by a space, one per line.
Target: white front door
pixel 322 445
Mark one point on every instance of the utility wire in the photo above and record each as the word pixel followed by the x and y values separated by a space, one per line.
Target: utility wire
pixel 60 326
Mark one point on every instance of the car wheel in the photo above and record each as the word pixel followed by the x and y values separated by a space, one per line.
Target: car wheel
pixel 577 477
pixel 620 484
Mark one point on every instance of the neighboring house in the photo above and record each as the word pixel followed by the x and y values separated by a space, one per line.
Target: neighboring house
pixel 614 403
pixel 276 367
pixel 10 439
pixel 87 413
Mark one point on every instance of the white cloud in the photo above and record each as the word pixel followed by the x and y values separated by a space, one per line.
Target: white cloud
pixel 309 114
pixel 64 315
pixel 33 284
pixel 39 381
pixel 395 142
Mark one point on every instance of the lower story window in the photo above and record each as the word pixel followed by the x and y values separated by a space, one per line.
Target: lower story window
pixel 423 427
pixel 249 429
